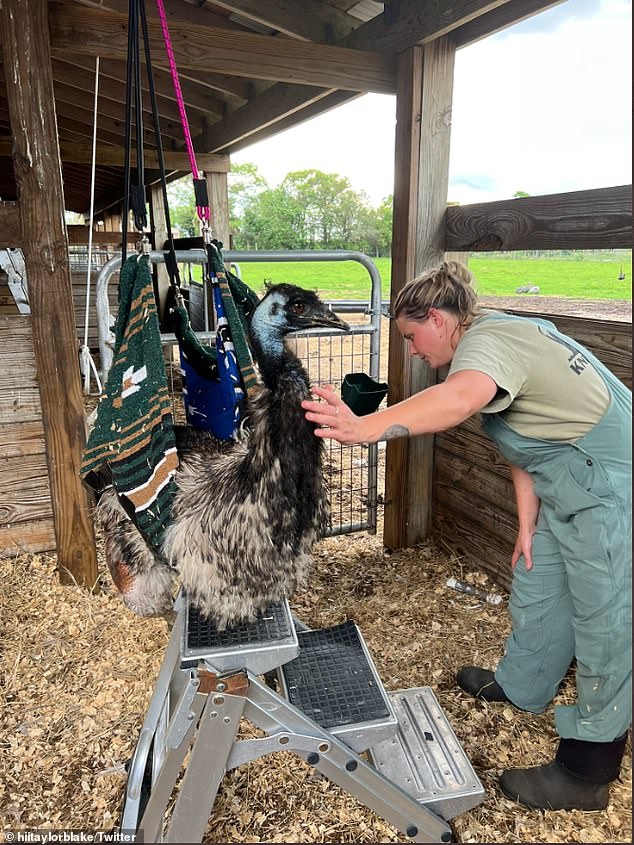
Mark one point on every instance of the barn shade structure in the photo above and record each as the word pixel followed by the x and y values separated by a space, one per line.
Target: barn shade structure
pixel 248 69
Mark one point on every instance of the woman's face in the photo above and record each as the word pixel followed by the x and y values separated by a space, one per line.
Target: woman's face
pixel 433 339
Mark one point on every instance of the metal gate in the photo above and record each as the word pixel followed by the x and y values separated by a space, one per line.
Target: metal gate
pixel 351 471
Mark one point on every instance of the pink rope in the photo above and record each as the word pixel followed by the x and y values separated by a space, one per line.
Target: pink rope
pixel 202 211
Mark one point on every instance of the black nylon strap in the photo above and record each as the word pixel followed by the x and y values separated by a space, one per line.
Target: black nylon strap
pixel 170 255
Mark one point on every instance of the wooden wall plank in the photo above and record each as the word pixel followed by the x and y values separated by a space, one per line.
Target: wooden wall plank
pixel 20 405
pixel 27 538
pixel 596 219
pixel 25 495
pixel 10 225
pixel 27 438
pixel 37 167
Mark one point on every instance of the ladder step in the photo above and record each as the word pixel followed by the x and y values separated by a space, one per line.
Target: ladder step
pixel 425 757
pixel 258 647
pixel 334 682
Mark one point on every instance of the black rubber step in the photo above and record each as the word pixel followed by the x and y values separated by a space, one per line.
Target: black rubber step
pixel 333 680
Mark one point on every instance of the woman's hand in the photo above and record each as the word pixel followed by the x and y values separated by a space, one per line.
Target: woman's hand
pixel 524 546
pixel 527 512
pixel 333 417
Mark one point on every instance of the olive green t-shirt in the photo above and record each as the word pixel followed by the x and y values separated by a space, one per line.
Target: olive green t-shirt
pixel 547 388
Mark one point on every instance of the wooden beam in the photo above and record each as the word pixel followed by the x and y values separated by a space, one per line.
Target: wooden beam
pixel 420 200
pixel 10 225
pixel 277 104
pixel 78 236
pixel 594 219
pixel 218 192
pixel 37 167
pixel 411 22
pixel 419 23
pixel 407 153
pixel 197 90
pixel 287 121
pixel 499 19
pixel 92 32
pixel 176 11
pixel 311 20
pixel 114 157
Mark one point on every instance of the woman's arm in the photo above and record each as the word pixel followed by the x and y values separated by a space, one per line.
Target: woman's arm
pixel 527 512
pixel 437 408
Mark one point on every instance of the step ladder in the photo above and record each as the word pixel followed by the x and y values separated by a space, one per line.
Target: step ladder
pixel 395 752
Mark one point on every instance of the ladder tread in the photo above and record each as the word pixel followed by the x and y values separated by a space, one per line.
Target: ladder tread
pixel 425 758
pixel 332 679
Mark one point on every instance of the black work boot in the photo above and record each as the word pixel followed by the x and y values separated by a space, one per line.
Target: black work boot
pixel 480 683
pixel 577 779
pixel 551 787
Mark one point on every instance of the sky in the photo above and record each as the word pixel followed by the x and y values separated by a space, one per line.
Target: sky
pixel 542 107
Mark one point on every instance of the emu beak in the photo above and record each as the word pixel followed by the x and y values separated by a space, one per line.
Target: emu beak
pixel 325 319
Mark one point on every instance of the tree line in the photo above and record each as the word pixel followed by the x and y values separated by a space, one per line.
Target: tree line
pixel 309 209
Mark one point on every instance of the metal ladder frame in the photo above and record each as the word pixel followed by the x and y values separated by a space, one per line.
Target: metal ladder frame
pixel 200 709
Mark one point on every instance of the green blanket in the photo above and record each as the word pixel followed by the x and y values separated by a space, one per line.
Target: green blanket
pixel 133 441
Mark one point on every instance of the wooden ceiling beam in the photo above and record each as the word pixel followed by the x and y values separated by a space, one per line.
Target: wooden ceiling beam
pixel 324 104
pixel 309 20
pixel 501 18
pixel 88 31
pixel 71 74
pixel 112 108
pixel 175 11
pixel 414 22
pixel 279 103
pixel 196 88
pixel 114 125
pixel 113 156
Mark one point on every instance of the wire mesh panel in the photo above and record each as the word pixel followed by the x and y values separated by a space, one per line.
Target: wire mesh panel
pixel 351 471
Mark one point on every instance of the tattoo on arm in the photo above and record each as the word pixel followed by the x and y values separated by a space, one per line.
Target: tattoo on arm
pixel 395 431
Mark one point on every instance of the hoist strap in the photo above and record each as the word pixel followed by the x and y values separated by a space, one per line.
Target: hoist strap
pixel 200 186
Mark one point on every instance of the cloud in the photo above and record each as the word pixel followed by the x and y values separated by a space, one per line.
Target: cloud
pixel 545 112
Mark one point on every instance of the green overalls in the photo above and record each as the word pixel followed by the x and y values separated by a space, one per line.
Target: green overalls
pixel 576 601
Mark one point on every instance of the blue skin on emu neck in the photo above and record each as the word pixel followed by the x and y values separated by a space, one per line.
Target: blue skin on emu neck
pixel 269 326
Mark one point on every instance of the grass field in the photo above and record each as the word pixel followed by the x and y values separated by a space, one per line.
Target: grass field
pixel 578 279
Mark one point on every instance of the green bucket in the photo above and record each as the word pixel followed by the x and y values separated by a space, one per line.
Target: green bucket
pixel 362 394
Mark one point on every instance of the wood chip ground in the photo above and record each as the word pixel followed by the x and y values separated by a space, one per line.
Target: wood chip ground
pixel 78 671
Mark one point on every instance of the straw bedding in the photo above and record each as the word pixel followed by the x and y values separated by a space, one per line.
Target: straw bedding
pixel 78 671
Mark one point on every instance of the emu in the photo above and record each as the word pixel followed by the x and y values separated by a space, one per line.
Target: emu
pixel 245 513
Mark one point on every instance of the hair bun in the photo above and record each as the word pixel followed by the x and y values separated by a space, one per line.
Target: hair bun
pixel 457 272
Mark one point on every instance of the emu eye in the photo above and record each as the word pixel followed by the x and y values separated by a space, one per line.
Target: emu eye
pixel 298 307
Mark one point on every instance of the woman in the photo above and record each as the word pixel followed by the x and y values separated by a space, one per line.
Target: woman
pixel 563 421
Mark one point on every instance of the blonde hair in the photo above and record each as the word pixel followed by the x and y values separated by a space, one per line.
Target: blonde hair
pixel 448 286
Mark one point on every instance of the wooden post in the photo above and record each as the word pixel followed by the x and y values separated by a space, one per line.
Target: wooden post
pixel 38 174
pixel 218 195
pixel 423 120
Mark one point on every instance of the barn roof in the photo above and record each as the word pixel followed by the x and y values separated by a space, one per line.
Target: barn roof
pixel 248 69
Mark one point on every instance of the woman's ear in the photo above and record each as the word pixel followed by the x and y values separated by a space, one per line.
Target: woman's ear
pixel 437 317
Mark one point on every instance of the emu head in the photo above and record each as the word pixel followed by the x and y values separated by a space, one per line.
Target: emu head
pixel 286 309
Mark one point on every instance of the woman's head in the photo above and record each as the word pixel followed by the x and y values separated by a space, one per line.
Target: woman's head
pixel 448 287
pixel 434 309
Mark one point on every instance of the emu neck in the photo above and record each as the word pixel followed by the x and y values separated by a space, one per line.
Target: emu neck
pixel 277 363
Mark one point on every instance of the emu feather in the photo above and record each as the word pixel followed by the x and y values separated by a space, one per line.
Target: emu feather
pixel 245 513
